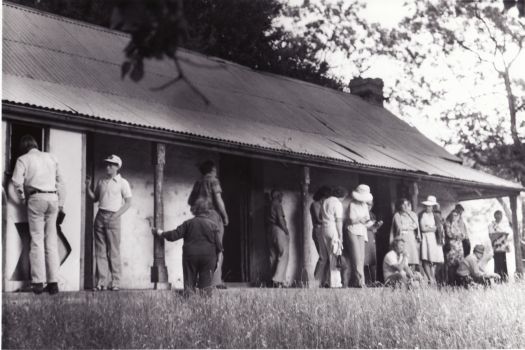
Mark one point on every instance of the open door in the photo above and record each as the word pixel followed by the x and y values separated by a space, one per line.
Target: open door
pixel 235 177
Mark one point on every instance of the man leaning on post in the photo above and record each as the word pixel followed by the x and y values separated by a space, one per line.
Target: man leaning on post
pixel 39 184
pixel 110 193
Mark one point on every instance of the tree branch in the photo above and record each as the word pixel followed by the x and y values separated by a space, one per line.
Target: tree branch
pixel 181 76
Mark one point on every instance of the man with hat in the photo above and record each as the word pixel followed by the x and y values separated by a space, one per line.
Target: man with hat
pixel 110 192
pixel 469 270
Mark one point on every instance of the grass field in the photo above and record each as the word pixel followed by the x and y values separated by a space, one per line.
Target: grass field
pixel 269 318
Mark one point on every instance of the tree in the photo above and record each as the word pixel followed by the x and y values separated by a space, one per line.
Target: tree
pixel 479 46
pixel 243 31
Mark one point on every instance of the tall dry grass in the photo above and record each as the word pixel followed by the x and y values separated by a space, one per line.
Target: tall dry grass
pixel 269 318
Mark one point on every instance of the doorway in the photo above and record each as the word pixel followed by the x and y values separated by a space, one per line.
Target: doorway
pixel 235 178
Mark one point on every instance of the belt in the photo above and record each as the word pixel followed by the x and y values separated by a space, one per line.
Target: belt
pixel 38 191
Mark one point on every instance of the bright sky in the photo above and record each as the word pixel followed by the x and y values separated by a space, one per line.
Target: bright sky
pixel 388 13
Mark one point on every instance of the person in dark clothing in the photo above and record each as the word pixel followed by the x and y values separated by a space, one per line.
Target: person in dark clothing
pixel 315 208
pixel 201 247
pixel 209 188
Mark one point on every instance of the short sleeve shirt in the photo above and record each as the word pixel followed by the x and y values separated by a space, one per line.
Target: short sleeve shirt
pixel 356 213
pixel 391 259
pixel 111 191
pixel 331 209
pixel 205 188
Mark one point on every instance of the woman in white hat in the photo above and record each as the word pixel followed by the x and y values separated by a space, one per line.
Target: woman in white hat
pixel 432 239
pixel 359 219
pixel 405 225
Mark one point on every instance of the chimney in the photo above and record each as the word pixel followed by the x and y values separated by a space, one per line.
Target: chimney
pixel 369 89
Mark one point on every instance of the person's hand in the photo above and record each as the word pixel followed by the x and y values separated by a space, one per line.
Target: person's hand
pixel 226 222
pixel 157 231
pixel 61 208
pixel 88 181
pixel 379 223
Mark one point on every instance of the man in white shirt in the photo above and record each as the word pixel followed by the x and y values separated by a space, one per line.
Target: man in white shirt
pixel 395 265
pixel 110 192
pixel 39 184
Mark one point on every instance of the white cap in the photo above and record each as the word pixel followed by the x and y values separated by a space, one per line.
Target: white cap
pixel 114 159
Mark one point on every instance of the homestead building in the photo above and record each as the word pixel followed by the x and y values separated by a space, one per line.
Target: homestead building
pixel 61 84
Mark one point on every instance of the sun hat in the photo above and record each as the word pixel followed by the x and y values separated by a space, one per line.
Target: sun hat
pixel 113 159
pixel 431 201
pixel 362 194
pixel 479 248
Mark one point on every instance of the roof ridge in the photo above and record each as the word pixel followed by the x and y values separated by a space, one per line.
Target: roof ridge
pixel 63 18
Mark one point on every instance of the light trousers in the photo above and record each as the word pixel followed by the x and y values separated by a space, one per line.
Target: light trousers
pixel 279 253
pixel 328 233
pixel 217 274
pixel 42 211
pixel 107 248
pixel 357 246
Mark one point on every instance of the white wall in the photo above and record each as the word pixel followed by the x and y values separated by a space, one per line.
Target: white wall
pixel 67 147
pixel 136 238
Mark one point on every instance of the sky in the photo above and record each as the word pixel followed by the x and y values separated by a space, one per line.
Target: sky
pixel 388 13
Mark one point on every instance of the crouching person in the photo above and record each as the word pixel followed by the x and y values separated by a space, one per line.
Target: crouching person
pixel 396 270
pixel 469 271
pixel 201 247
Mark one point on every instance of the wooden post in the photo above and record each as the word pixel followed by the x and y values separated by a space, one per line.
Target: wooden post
pixel 159 271
pixel 306 232
pixel 414 196
pixel 516 234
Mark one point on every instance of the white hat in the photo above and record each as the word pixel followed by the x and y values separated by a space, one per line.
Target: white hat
pixel 431 201
pixel 113 159
pixel 362 194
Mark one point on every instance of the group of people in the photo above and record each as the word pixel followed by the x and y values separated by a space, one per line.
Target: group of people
pixel 344 237
pixel 423 246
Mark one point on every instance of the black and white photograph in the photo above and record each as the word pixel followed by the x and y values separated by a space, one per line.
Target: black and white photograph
pixel 249 174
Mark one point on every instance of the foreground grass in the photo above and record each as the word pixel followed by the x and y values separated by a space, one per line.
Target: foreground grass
pixel 267 318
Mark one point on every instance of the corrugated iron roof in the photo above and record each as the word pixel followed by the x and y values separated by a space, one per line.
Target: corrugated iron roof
pixel 60 64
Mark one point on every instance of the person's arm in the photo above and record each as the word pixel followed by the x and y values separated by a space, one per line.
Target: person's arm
pixel 172 235
pixel 221 207
pixel 61 187
pixel 92 195
pixel 123 208
pixel 18 179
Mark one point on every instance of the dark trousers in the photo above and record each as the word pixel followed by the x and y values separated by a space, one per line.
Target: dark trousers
pixel 500 264
pixel 466 247
pixel 198 271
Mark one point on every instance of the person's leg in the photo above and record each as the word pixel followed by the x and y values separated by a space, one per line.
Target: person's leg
pixel 357 252
pixel 205 271
pixel 101 255
pixel 189 273
pixel 113 239
pixel 319 265
pixel 51 244
pixel 282 241
pixel 346 270
pixel 217 275
pixel 427 268
pixel 500 264
pixel 35 215
pixel 323 272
